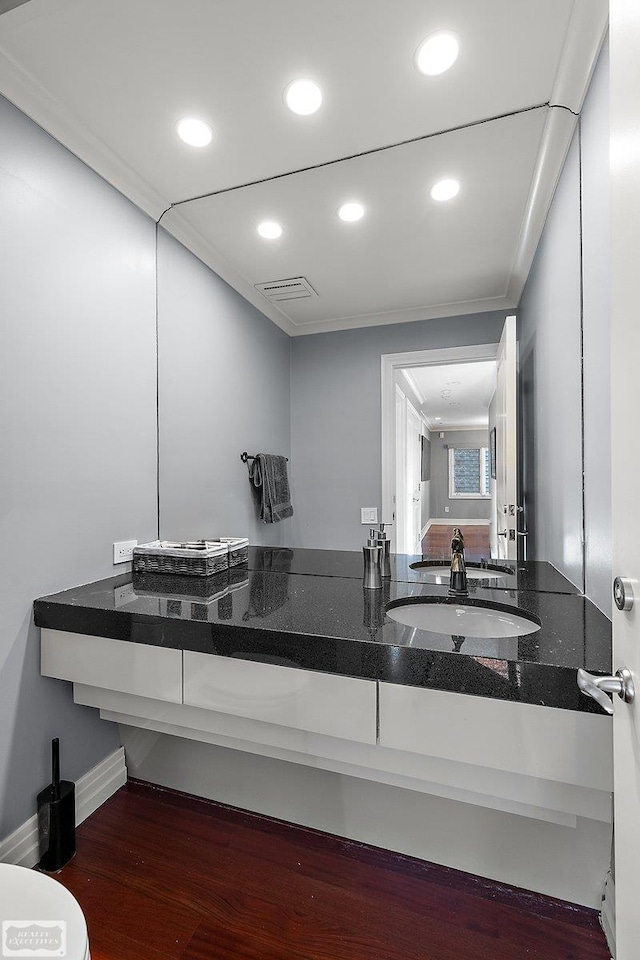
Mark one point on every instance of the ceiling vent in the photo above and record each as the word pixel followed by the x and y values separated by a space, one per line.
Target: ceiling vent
pixel 295 288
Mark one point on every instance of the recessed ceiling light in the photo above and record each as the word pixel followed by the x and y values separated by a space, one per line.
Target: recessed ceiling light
pixel 303 96
pixel 195 132
pixel 270 230
pixel 349 212
pixel 437 53
pixel 437 418
pixel 444 190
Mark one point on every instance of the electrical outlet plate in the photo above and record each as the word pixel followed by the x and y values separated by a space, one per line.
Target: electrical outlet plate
pixel 368 515
pixel 123 550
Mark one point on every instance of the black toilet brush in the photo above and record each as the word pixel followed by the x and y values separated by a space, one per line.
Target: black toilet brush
pixel 56 818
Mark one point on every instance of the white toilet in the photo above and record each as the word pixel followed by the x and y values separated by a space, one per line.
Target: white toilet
pixel 29 898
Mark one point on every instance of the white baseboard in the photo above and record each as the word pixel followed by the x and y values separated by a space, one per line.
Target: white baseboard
pixel 92 789
pixel 608 914
pixel 451 521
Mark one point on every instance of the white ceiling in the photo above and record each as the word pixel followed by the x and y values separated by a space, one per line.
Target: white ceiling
pixel 409 252
pixel 456 395
pixel 110 80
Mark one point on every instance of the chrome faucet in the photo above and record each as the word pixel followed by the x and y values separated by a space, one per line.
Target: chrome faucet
pixel 458 579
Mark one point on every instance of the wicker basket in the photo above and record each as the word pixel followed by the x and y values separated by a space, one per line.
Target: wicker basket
pixel 170 586
pixel 238 549
pixel 197 558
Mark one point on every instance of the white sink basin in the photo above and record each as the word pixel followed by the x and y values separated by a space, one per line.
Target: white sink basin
pixel 461 619
pixel 442 574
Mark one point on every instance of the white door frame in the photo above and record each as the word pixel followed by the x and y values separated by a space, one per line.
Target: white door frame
pixel 390 363
pixel 412 541
pixel 400 467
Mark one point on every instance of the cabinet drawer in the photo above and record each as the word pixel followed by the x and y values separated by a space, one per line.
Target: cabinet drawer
pixel 318 702
pixel 562 745
pixel 113 664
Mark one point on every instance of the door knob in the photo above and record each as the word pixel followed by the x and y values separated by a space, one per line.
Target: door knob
pixel 623 593
pixel 599 687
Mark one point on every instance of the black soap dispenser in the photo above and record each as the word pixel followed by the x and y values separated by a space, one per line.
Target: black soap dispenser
pixel 56 818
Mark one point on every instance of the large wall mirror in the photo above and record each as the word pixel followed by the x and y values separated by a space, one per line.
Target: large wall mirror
pixel 282 348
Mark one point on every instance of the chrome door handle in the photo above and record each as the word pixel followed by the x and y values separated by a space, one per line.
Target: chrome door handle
pixel 599 687
pixel 623 593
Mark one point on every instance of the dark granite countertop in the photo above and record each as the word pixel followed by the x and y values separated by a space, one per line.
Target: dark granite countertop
pixel 529 575
pixel 308 609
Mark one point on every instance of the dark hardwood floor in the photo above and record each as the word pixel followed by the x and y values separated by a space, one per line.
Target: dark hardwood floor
pixel 437 542
pixel 161 875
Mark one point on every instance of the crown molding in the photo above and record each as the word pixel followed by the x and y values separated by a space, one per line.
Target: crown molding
pixel 556 140
pixel 28 95
pixel 179 227
pixel 454 309
pixel 585 35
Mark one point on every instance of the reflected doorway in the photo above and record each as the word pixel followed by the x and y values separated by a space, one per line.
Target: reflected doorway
pixel 450 449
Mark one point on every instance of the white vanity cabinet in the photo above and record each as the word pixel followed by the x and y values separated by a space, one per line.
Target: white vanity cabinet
pixel 538 762
pixel 511 790
pixel 545 743
pixel 273 694
pixel 134 668
pixel 321 703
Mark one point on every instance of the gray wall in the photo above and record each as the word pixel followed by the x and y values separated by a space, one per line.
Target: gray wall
pixel 336 419
pixel 458 509
pixel 551 384
pixel 224 373
pixel 554 302
pixel 77 434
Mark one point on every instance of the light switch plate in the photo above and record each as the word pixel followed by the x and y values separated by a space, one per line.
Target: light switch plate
pixel 123 550
pixel 368 515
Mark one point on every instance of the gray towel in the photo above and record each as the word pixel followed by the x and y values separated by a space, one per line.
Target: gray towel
pixel 268 473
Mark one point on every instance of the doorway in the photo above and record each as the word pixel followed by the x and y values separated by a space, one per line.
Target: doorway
pixel 449 449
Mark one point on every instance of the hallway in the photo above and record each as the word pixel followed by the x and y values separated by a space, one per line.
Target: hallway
pixel 437 541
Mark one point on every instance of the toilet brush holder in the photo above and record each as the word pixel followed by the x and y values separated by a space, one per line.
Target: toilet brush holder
pixel 56 818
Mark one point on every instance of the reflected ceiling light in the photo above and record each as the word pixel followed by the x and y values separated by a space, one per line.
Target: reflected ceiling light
pixel 195 132
pixel 437 419
pixel 270 230
pixel 437 53
pixel 444 190
pixel 303 96
pixel 350 212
